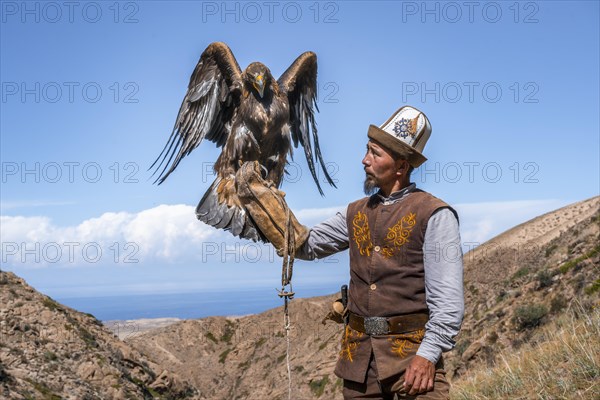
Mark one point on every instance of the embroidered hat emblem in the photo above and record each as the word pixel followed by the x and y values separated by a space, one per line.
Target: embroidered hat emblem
pixel 404 127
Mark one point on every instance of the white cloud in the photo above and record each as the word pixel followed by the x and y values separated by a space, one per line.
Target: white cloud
pixel 171 234
pixel 166 233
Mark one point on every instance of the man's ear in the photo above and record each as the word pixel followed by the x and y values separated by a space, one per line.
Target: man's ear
pixel 402 166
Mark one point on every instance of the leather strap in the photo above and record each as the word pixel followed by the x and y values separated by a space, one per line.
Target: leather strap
pixel 395 325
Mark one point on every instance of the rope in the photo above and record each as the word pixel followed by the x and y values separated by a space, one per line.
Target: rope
pixel 286 279
pixel 286 324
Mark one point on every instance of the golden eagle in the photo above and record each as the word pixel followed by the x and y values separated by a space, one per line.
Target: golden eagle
pixel 253 117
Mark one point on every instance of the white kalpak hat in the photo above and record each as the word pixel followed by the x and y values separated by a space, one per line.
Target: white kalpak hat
pixel 405 133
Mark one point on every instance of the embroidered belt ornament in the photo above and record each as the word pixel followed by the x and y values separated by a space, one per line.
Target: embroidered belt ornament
pixel 396 237
pixel 376 326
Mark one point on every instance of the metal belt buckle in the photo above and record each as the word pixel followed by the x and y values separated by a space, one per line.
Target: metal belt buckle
pixel 376 326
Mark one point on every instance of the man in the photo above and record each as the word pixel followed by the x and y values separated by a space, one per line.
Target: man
pixel 405 265
pixel 405 300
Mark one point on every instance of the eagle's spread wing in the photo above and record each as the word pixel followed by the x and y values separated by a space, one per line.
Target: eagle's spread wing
pixel 299 81
pixel 207 108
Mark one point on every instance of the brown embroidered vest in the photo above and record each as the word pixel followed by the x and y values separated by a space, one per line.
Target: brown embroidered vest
pixel 386 254
pixel 387 276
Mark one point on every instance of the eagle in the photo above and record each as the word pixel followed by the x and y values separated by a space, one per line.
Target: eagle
pixel 252 117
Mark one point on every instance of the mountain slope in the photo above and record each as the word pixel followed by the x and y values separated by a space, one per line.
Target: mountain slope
pixel 524 278
pixel 245 358
pixel 49 351
pixel 561 361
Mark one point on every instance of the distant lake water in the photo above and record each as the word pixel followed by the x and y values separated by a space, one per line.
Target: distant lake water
pixel 186 305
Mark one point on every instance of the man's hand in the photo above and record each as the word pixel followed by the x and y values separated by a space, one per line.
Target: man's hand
pixel 418 377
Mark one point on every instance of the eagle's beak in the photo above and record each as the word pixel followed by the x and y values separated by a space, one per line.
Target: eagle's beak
pixel 259 85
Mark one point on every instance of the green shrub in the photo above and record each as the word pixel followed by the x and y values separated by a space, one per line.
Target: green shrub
pixel 521 272
pixel 462 345
pixel 492 337
pixel 244 365
pixel 593 288
pixel 211 337
pixel 571 263
pixel 51 304
pixel 318 386
pixel 550 249
pixel 529 316
pixel 223 356
pixel 50 356
pixel 228 332
pixel 557 303
pixel 544 279
pixel 502 294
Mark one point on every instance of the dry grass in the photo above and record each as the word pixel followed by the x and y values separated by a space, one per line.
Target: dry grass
pixel 564 364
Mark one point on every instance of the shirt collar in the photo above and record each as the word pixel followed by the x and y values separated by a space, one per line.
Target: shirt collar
pixel 395 196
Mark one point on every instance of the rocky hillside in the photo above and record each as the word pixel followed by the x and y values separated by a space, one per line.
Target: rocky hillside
pixel 524 278
pixel 513 284
pixel 245 358
pixel 49 351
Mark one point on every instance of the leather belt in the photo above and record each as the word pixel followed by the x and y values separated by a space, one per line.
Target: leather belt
pixel 383 326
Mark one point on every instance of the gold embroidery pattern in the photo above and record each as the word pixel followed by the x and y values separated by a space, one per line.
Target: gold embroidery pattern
pixel 387 252
pixel 349 344
pixel 402 344
pixel 398 234
pixel 362 234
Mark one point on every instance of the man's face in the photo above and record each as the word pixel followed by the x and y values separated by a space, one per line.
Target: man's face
pixel 380 167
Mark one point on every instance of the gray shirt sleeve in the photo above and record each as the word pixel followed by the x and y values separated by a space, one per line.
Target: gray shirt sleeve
pixel 326 238
pixel 443 263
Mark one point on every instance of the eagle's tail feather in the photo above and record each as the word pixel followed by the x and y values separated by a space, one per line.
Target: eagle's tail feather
pixel 219 214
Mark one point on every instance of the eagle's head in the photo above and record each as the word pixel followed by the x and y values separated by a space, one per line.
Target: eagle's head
pixel 259 77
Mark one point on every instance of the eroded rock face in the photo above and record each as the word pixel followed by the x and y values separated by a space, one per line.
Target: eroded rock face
pixel 49 349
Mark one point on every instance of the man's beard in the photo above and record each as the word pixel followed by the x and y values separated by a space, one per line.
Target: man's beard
pixel 370 186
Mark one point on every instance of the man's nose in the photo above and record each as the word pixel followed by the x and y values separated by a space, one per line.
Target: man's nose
pixel 365 161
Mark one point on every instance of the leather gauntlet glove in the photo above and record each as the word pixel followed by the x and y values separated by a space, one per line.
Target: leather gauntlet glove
pixel 268 209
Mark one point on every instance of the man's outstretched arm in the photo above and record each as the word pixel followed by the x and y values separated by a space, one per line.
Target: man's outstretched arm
pixel 326 238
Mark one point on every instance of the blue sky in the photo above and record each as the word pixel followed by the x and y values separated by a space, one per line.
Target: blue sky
pixel 90 91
